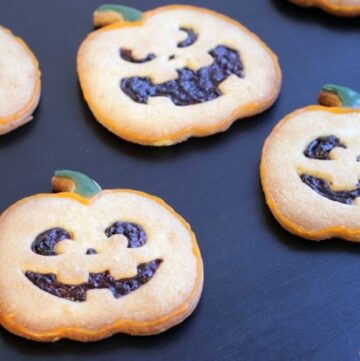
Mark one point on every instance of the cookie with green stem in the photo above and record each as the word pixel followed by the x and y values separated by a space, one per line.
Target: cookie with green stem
pixel 310 168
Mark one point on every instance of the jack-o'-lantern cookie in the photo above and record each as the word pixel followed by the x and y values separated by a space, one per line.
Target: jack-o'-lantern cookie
pixel 336 7
pixel 162 76
pixel 19 82
pixel 84 264
pixel 310 168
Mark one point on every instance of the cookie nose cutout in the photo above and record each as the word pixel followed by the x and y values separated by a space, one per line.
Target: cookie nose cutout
pixel 91 251
pixel 172 57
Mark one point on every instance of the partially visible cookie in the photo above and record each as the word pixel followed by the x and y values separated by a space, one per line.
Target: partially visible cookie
pixel 348 8
pixel 19 82
pixel 310 168
pixel 84 263
pixel 162 76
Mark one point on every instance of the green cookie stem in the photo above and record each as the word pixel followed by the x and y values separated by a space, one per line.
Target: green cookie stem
pixel 76 182
pixel 338 96
pixel 110 13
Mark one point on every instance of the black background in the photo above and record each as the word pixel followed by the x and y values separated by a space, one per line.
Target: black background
pixel 268 295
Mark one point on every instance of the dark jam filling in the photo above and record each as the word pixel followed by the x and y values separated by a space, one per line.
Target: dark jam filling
pixel 103 280
pixel 321 147
pixel 190 39
pixel 126 54
pixel 45 242
pixel 134 233
pixel 190 87
pixel 322 187
pixel 90 251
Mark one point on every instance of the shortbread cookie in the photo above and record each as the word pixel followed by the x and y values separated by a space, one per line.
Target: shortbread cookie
pixel 310 168
pixel 19 82
pixel 162 76
pixel 84 264
pixel 337 7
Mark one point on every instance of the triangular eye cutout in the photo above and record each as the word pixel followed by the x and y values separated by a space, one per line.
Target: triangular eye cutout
pixel 134 233
pixel 45 242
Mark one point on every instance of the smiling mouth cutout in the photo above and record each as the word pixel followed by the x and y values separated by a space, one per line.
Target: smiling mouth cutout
pixel 190 87
pixel 44 245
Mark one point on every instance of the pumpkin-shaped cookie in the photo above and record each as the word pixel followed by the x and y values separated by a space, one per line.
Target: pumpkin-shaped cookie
pixel 84 264
pixel 336 7
pixel 162 76
pixel 310 168
pixel 19 82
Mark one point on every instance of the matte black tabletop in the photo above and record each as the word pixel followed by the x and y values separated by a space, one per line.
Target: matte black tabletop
pixel 267 295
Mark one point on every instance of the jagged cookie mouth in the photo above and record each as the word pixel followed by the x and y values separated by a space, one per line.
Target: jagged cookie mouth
pixel 190 87
pixel 103 280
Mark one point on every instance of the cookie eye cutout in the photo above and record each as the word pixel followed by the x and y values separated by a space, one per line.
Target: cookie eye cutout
pixel 44 244
pixel 134 233
pixel 190 87
pixel 190 39
pixel 126 54
pixel 321 147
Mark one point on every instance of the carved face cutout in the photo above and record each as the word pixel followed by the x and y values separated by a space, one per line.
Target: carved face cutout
pixel 310 172
pixel 121 262
pixel 322 149
pixel 178 68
